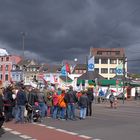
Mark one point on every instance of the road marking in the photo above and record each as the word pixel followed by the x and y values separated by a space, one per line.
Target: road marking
pixel 15 132
pixel 25 137
pixel 50 127
pixel 86 137
pixel 7 129
pixel 61 130
pixel 41 124
pixel 96 139
pixel 72 133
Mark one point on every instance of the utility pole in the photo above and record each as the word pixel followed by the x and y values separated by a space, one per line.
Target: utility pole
pixel 23 49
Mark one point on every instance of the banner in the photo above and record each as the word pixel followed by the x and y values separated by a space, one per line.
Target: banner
pixel 53 78
pixel 91 64
pixel 119 69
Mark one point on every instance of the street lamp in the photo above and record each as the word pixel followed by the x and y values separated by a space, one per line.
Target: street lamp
pixel 75 60
pixel 23 49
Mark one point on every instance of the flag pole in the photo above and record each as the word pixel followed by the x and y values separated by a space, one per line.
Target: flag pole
pixel 123 77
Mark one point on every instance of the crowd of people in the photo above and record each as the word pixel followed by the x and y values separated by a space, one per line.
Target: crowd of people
pixel 28 104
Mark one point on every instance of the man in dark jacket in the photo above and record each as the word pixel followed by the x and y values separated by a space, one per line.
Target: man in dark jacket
pixel 21 102
pixel 83 104
pixel 8 103
pixel 71 101
pixel 90 99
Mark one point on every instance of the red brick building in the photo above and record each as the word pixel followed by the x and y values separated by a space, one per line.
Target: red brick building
pixel 6 63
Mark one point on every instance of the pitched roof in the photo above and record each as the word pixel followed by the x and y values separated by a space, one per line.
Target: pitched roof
pixel 50 68
pixel 27 62
pixel 91 75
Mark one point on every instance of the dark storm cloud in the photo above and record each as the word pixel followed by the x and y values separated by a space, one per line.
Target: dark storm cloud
pixel 66 29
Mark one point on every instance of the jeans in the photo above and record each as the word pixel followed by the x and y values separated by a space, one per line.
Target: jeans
pixel 55 110
pixel 42 108
pixel 83 111
pixel 62 113
pixel 71 111
pixel 20 113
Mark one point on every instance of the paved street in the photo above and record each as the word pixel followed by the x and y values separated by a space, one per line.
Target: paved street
pixel 122 123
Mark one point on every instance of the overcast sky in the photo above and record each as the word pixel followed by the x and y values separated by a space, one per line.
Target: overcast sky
pixel 59 30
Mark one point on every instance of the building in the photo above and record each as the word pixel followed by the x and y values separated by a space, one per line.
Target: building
pixel 30 70
pixel 107 60
pixel 6 63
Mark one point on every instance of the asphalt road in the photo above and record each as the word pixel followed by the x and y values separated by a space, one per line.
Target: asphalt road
pixel 122 123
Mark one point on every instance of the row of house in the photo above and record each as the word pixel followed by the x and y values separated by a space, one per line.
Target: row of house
pixel 14 68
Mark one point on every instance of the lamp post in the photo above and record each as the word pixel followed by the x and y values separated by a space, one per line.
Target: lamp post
pixel 23 49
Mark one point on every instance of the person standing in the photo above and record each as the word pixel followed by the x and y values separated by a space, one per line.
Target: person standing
pixel 21 101
pixel 62 105
pixel 83 104
pixel 90 99
pixel 111 99
pixel 71 101
pixel 8 103
pixel 41 103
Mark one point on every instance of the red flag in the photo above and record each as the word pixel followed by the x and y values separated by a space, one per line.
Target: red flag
pixel 68 68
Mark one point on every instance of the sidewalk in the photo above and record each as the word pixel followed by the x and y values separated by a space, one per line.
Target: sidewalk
pixel 41 132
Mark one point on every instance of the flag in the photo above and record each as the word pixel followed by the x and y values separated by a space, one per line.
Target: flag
pixel 91 64
pixel 119 69
pixel 63 71
pixel 68 68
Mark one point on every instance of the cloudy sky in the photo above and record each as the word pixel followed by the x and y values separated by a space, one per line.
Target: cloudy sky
pixel 57 30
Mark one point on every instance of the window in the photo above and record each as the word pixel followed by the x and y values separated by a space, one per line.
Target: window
pixel 99 52
pixel 2 59
pixel 113 61
pixel 117 52
pixel 1 67
pixel 96 60
pixel 104 61
pixel 6 67
pixel 104 70
pixel 112 70
pixel 108 52
pixel 7 58
pixel 97 70
pixel 6 77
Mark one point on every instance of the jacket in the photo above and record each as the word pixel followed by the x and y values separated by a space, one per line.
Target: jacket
pixel 21 98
